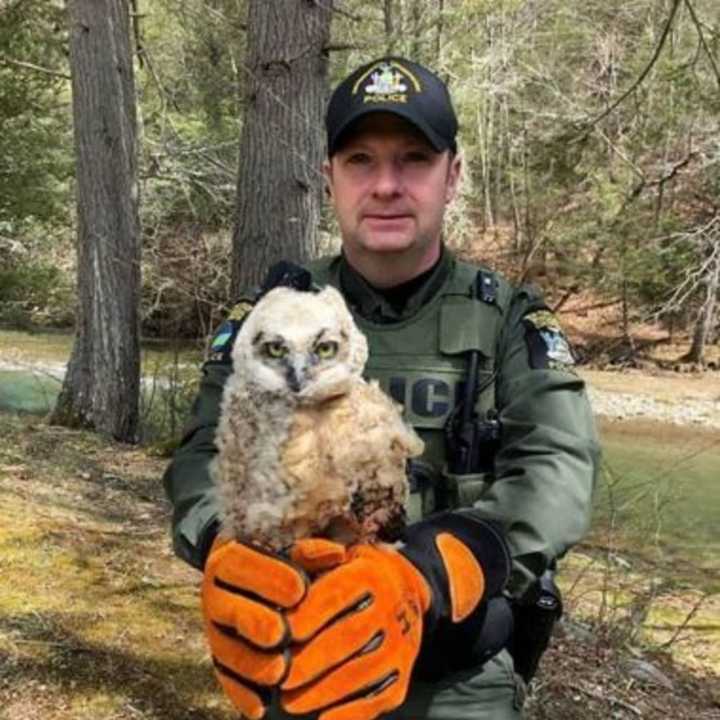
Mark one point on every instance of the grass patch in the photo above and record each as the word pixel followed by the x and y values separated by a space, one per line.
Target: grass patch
pixel 98 620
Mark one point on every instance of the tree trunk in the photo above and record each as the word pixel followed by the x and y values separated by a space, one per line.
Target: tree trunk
pixel 280 185
pixel 101 387
pixel 389 18
pixel 706 316
pixel 439 32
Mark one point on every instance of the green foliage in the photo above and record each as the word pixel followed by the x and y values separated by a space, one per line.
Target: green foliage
pixel 605 202
pixel 34 293
pixel 35 142
pixel 190 82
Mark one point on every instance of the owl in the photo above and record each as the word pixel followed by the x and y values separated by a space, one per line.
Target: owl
pixel 306 447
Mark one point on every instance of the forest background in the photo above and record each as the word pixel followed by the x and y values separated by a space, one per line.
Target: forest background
pixel 589 133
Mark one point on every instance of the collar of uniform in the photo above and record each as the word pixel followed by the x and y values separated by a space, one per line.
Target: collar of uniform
pixel 372 305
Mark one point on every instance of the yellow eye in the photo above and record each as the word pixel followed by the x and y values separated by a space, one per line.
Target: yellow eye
pixel 326 350
pixel 275 349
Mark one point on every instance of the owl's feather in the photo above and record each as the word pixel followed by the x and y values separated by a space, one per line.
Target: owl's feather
pixel 327 459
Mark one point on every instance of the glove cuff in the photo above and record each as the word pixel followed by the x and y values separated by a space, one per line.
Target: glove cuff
pixel 465 560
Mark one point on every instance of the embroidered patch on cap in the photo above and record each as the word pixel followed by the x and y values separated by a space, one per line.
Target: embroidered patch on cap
pixel 388 81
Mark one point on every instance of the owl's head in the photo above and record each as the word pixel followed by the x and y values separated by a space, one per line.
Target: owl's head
pixel 300 345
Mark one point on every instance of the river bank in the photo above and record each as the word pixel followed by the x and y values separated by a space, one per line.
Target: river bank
pixel 667 397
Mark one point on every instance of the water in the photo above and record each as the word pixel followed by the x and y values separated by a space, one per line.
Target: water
pixel 27 392
pixel 661 485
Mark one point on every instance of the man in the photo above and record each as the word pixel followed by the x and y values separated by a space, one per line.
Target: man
pixel 504 486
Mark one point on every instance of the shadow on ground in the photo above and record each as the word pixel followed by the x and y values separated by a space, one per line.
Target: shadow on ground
pixel 43 652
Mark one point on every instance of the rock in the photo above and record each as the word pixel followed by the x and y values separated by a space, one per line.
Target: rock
pixel 646 673
pixel 573 630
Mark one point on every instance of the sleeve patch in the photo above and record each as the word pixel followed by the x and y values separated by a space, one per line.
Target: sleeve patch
pixel 220 340
pixel 547 345
pixel 240 310
pixel 224 338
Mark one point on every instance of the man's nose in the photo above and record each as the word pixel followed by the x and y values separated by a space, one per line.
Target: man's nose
pixel 388 182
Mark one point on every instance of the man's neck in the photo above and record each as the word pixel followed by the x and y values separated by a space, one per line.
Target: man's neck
pixel 388 270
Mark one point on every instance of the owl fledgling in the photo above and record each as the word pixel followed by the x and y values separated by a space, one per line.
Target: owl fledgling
pixel 306 447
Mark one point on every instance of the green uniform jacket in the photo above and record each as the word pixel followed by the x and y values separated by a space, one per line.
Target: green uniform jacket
pixel 544 471
pixel 539 486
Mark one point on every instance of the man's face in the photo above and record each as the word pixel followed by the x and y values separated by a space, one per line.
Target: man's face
pixel 389 188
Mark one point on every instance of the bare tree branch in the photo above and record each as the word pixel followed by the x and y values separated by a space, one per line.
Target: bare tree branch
pixel 701 36
pixel 336 47
pixel 5 60
pixel 333 7
pixel 646 71
pixel 674 170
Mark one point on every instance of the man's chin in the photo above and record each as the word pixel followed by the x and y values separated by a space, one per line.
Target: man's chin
pixel 388 244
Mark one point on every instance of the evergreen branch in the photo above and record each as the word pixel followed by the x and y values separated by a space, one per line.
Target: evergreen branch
pixel 703 42
pixel 640 79
pixel 5 60
pixel 10 9
pixel 336 47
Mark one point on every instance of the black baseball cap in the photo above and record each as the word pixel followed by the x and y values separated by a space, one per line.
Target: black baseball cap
pixel 397 86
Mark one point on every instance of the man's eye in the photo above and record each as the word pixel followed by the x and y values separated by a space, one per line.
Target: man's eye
pixel 359 159
pixel 326 350
pixel 274 349
pixel 417 157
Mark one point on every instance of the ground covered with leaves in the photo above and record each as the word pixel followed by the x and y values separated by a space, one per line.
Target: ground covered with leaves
pixel 98 620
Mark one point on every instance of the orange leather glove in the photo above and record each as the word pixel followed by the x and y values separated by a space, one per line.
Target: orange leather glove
pixel 243 593
pixel 358 632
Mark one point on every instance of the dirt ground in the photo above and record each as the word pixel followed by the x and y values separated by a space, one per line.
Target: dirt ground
pixel 98 620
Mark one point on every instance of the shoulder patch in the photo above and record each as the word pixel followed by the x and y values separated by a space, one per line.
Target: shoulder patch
pixel 240 310
pixel 223 338
pixel 547 345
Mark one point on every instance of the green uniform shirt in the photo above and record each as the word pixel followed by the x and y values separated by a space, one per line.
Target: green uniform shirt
pixel 544 471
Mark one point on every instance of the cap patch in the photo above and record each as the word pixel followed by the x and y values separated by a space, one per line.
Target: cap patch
pixel 386 81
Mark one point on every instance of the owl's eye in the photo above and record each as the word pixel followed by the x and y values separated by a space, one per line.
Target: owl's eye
pixel 274 349
pixel 326 350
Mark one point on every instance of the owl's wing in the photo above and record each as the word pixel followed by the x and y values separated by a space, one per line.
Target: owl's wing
pixel 252 493
pixel 367 448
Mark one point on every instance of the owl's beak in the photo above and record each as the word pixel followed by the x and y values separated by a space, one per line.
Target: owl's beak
pixel 295 375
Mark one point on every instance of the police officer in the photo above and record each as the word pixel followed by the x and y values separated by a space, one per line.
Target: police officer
pixel 503 489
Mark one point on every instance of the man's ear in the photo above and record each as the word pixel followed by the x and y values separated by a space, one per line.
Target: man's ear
pixel 453 177
pixel 327 174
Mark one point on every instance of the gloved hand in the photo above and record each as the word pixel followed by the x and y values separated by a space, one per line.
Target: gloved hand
pixel 358 632
pixel 243 593
pixel 356 636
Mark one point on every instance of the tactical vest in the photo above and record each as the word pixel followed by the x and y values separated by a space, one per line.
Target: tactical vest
pixel 422 362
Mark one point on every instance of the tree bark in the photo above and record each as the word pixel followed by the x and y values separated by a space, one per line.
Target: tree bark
pixel 101 387
pixel 706 315
pixel 439 32
pixel 389 19
pixel 279 191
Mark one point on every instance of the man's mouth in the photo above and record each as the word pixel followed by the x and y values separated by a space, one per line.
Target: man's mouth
pixel 387 215
pixel 386 218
